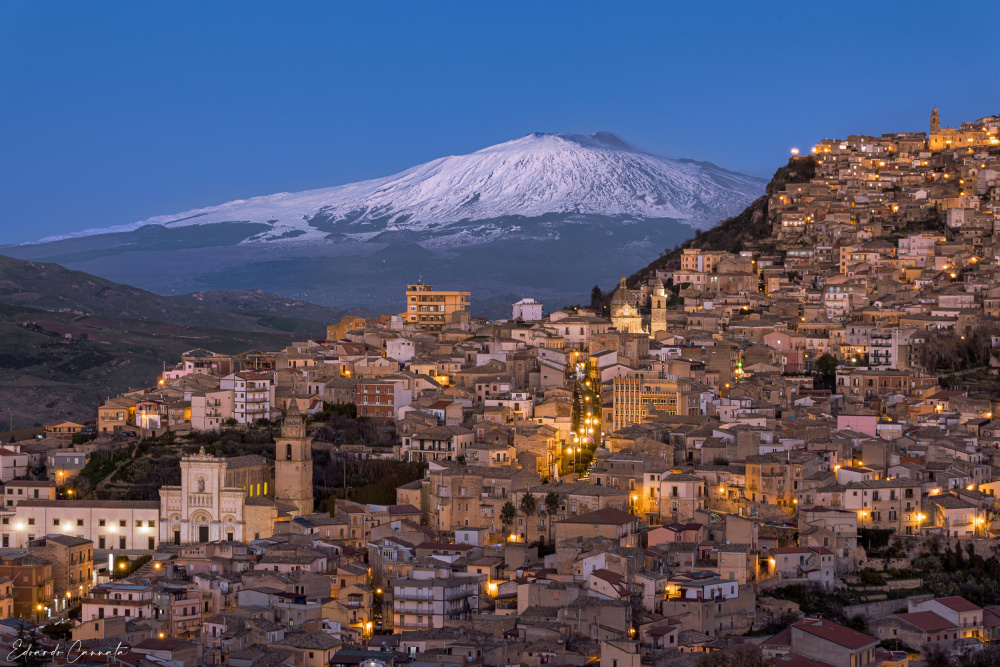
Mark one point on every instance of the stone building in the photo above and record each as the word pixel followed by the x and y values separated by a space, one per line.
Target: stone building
pixel 294 466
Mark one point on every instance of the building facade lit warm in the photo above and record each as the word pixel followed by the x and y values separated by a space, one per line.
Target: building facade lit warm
pixel 431 309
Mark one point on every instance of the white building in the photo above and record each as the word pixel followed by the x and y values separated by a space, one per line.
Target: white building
pixel 400 349
pixel 109 524
pixel 527 310
pixel 253 395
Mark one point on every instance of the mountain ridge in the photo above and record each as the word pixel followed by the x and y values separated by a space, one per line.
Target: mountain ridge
pixel 54 288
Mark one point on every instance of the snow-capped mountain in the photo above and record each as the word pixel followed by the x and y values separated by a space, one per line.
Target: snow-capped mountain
pixel 533 176
pixel 557 199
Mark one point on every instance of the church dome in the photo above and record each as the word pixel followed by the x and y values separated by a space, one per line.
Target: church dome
pixel 620 296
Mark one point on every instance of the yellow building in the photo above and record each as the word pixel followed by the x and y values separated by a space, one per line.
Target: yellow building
pixel 430 309
pixel 639 392
pixel 704 261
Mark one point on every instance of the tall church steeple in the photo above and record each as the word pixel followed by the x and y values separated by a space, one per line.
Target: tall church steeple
pixel 935 121
pixel 293 468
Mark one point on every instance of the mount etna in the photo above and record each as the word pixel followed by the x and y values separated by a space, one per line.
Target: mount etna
pixel 546 216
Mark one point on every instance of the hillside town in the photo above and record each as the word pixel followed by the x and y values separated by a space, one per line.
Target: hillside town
pixel 777 454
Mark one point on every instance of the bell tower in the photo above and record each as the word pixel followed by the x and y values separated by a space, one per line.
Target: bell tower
pixel 293 466
pixel 658 308
pixel 935 121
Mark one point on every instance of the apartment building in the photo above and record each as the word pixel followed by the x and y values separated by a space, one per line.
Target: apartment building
pixel 430 309
pixel 253 395
pixel 72 561
pixel 31 583
pixel 381 398
pixel 892 504
pixel 425 601
pixel 636 394
pixel 776 477
pixel 126 598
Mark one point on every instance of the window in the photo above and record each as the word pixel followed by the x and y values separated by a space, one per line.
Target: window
pixel 122 523
pixel 31 522
pixel 79 522
pixel 151 523
pixel 55 522
pixel 100 522
pixel 138 523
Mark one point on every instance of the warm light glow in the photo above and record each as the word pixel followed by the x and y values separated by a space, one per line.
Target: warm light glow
pixel 161 635
pixel 157 566
pixel 121 566
pixel 378 591
pixel 970 487
pixel 795 151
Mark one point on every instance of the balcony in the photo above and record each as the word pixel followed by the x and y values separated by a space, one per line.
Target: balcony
pixel 448 594
pixel 419 595
pixel 199 500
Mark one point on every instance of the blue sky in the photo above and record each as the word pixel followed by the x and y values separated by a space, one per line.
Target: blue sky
pixel 114 112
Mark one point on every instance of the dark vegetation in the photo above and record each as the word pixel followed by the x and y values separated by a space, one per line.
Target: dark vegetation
pixel 140 471
pixel 368 480
pixel 952 572
pixel 946 351
pixel 339 425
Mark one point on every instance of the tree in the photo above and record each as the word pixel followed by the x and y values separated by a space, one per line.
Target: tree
pixel 507 515
pixel 528 508
pixel 826 369
pixel 596 295
pixel 551 509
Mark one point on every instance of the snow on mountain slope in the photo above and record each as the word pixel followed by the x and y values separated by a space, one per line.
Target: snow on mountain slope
pixel 540 174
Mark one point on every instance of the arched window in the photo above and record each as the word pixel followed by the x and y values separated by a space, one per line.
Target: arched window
pixel 288 452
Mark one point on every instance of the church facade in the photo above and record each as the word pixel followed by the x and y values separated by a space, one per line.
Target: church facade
pixel 626 316
pixel 237 498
